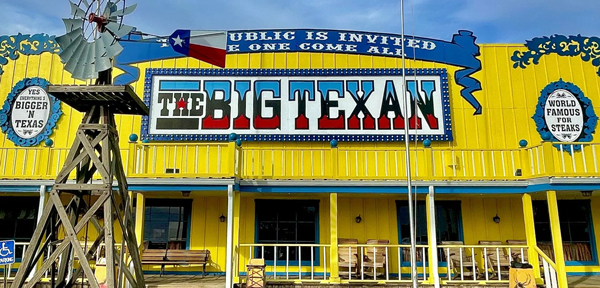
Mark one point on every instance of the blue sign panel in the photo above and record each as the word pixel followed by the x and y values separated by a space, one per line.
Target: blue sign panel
pixel 7 252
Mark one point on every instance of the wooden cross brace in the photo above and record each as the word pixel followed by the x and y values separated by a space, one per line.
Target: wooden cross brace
pixel 95 150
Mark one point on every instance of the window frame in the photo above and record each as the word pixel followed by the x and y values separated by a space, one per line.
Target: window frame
pixel 592 235
pixel 317 259
pixel 458 203
pixel 35 222
pixel 185 203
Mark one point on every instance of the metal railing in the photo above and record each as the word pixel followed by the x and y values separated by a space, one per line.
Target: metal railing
pixel 287 262
pixel 287 163
pixel 379 163
pixel 475 164
pixel 577 160
pixel 489 263
pixel 169 160
pixel 19 247
pixel 39 163
pixel 382 262
pixel 549 269
pixel 226 160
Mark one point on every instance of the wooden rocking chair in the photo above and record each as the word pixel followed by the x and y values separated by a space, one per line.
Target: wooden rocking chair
pixel 347 258
pixel 453 257
pixel 374 258
pixel 498 259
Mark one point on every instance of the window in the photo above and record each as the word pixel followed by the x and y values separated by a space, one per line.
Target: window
pixel 448 221
pixel 575 225
pixel 287 222
pixel 166 223
pixel 448 225
pixel 18 218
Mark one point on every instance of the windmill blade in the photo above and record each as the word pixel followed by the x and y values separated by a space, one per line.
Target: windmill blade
pixel 72 24
pixel 119 30
pixel 65 40
pixel 113 48
pixel 67 53
pixel 86 4
pixel 78 70
pixel 101 63
pixel 124 11
pixel 109 9
pixel 74 60
pixel 76 11
pixel 100 49
pixel 89 70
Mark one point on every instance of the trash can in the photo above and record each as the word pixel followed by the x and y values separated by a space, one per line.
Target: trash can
pixel 255 276
pixel 521 275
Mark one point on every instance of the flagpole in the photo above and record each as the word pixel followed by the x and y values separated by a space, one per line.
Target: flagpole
pixel 413 248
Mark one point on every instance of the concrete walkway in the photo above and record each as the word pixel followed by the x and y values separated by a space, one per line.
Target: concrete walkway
pixel 584 281
pixel 184 281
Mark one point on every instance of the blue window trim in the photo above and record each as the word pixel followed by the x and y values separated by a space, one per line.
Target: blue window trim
pixel 592 233
pixel 460 230
pixel 316 261
pixel 188 205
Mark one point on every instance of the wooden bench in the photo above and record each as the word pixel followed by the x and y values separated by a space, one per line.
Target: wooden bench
pixel 164 257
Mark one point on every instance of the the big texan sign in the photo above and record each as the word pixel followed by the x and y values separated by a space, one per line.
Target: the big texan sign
pixel 296 105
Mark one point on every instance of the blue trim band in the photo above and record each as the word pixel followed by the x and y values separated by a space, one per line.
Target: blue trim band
pixel 330 189
pixel 155 272
pixel 179 85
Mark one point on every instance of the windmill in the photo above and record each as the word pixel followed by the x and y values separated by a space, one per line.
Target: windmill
pixel 92 38
pixel 88 49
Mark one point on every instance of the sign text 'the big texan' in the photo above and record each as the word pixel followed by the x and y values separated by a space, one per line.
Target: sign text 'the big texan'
pixel 296 105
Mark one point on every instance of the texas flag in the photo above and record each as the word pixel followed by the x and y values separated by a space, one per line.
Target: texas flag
pixel 207 46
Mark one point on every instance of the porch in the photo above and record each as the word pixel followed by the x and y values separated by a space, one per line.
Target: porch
pixel 179 281
pixel 321 161
pixel 362 239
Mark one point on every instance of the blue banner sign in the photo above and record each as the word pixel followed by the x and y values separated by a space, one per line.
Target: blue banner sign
pixel 461 51
pixel 7 252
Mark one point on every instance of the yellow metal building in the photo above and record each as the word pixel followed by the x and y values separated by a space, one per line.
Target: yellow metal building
pixel 501 183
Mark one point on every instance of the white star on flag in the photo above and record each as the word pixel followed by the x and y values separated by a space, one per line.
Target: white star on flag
pixel 178 41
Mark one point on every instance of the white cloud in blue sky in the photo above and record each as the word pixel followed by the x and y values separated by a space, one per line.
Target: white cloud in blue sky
pixel 492 21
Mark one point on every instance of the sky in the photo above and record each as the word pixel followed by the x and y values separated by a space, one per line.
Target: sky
pixel 492 21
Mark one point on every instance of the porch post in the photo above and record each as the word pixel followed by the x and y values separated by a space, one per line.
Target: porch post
pixel 334 276
pixel 530 235
pixel 41 205
pixel 557 243
pixel 42 202
pixel 229 255
pixel 432 238
pixel 140 208
pixel 237 199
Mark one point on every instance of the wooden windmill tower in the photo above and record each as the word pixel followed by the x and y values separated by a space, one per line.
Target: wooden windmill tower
pixel 55 249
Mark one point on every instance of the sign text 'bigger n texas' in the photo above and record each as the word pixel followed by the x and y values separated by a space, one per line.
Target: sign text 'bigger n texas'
pixel 296 105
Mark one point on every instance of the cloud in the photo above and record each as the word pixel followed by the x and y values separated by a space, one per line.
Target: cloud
pixel 492 21
pixel 19 18
pixel 518 20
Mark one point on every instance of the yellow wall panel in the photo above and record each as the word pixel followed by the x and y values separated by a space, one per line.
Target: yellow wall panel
pixel 279 61
pixel 509 96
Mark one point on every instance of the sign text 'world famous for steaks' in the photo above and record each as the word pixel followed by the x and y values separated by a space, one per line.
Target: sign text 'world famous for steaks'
pixel 296 105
